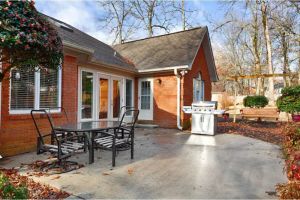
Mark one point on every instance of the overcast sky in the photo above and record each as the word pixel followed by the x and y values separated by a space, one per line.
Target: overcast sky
pixel 85 15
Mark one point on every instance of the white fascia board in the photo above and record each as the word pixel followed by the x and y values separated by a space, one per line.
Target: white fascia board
pixel 164 69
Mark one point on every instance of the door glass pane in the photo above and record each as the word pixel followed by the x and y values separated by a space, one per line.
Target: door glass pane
pixel 104 101
pixel 116 98
pixel 87 95
pixel 129 94
pixel 145 95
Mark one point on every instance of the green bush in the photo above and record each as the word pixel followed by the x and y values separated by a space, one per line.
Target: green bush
pixel 255 101
pixel 9 191
pixel 290 100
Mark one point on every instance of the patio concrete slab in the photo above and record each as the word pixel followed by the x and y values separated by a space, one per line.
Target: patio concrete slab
pixel 173 164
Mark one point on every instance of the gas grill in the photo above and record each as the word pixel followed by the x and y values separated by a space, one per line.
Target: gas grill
pixel 204 119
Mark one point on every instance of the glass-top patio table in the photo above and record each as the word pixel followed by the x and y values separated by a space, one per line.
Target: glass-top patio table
pixel 90 128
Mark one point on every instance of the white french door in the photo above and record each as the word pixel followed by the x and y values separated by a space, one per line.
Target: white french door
pixel 110 97
pixel 145 99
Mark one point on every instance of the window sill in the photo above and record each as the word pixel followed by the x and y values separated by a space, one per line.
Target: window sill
pixel 28 116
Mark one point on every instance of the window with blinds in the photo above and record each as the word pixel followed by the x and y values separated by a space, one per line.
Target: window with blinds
pixel 22 89
pixel 34 90
pixel 49 88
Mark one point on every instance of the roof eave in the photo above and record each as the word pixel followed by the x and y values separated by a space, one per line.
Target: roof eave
pixel 112 66
pixel 162 69
pixel 77 48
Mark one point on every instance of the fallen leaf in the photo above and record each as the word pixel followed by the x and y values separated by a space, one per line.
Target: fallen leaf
pixel 130 171
pixel 55 177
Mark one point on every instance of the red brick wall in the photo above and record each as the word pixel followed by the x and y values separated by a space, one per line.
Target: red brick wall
pixel 165 101
pixel 165 93
pixel 199 65
pixel 17 132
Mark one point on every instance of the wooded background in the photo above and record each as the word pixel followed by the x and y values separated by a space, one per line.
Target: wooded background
pixel 252 38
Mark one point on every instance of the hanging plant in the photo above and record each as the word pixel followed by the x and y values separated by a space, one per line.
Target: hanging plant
pixel 27 39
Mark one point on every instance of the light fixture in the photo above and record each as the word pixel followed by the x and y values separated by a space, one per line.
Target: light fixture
pixel 158 81
pixel 17 76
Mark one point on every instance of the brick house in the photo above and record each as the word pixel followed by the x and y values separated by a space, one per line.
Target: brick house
pixel 158 75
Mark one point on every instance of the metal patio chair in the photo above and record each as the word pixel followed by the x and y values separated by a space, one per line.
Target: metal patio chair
pixel 110 140
pixel 124 131
pixel 66 119
pixel 61 147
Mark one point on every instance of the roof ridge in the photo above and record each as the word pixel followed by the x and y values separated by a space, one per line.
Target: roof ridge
pixel 148 38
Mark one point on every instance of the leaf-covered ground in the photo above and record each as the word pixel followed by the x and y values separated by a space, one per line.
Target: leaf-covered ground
pixel 36 190
pixel 265 131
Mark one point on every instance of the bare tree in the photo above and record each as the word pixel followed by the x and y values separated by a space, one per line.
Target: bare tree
pixel 118 20
pixel 264 13
pixel 152 14
pixel 255 46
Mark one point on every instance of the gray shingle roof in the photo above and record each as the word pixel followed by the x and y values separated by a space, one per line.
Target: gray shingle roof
pixel 103 53
pixel 175 49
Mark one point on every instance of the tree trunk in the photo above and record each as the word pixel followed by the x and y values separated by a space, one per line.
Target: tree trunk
pixel 259 81
pixel 150 18
pixel 183 15
pixel 286 71
pixel 269 50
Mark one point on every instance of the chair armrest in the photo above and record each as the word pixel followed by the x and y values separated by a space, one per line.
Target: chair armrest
pixel 47 135
pixel 106 133
pixel 125 129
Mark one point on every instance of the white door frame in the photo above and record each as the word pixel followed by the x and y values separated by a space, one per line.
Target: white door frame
pixel 104 76
pixel 145 114
pixel 110 79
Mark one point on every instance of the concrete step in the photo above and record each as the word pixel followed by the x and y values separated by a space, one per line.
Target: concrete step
pixel 139 125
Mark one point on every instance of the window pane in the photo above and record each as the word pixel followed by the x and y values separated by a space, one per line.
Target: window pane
pixel 22 89
pixel 49 88
pixel 87 95
pixel 145 102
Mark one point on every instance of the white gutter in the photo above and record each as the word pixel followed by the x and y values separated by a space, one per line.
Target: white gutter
pixel 178 98
pixel 164 69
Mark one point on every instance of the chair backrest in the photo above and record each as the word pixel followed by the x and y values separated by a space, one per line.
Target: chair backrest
pixel 123 110
pixel 42 121
pixel 130 113
pixel 63 112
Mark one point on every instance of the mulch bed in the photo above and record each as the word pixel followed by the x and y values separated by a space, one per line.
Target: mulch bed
pixel 36 190
pixel 266 131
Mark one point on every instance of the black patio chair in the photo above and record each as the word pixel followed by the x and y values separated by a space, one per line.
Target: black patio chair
pixel 61 147
pixel 110 140
pixel 64 118
pixel 124 131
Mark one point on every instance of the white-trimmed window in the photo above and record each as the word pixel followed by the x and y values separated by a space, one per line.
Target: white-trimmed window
pixel 129 93
pixel 198 89
pixel 34 90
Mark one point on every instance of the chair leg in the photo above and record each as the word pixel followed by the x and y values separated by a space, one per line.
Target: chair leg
pixel 132 146
pixel 85 144
pixel 114 152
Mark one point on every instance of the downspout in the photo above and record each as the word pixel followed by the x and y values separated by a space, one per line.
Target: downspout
pixel 178 76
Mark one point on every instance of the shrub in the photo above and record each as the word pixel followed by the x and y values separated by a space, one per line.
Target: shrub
pixel 255 101
pixel 290 100
pixel 9 191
